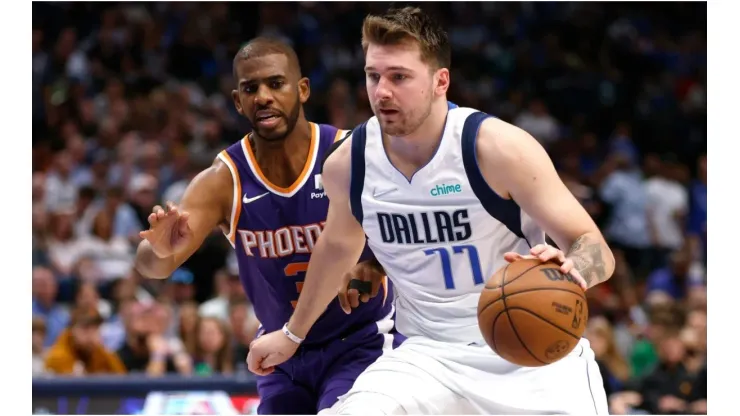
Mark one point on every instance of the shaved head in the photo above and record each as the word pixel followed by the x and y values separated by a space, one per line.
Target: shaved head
pixel 263 46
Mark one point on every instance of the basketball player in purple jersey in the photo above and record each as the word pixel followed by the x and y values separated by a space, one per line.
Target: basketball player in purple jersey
pixel 265 192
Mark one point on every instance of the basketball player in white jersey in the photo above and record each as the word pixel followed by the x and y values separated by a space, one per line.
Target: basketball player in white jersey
pixel 445 196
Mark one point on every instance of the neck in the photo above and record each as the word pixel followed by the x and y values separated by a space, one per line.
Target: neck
pixel 422 143
pixel 282 161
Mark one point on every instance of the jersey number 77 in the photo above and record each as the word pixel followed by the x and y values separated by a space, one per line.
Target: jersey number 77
pixel 446 259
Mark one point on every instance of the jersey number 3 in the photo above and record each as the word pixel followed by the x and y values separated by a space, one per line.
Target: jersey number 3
pixel 445 257
pixel 293 270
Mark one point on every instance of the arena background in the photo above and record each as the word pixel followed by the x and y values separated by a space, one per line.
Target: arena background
pixel 131 100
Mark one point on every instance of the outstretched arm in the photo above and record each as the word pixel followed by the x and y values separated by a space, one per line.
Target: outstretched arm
pixel 517 167
pixel 337 250
pixel 207 202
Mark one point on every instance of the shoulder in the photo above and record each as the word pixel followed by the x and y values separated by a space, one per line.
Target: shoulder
pixel 217 179
pixel 506 144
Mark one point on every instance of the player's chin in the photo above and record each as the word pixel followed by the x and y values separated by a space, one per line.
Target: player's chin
pixel 272 132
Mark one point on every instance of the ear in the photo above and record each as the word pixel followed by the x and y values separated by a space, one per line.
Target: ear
pixel 304 89
pixel 237 103
pixel 442 81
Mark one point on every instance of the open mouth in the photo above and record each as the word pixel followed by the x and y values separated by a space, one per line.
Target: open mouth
pixel 388 112
pixel 266 119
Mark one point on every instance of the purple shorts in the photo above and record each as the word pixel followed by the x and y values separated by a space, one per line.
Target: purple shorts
pixel 316 376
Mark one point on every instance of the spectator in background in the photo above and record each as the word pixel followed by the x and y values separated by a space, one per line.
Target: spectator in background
pixel 677 278
pixel 143 196
pixel 244 326
pixel 144 350
pixel 61 191
pixel 227 286
pixel 79 351
pixel 38 333
pixel 626 229
pixel 113 331
pixel 63 248
pixel 668 388
pixel 613 367
pixel 187 326
pixel 538 122
pixel 213 350
pixel 88 298
pixel 113 255
pixel 697 224
pixel 666 206
pixel 175 191
pixel 44 290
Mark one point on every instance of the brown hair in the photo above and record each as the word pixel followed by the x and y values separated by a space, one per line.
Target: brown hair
pixel 409 24
pixel 613 360
pixel 224 360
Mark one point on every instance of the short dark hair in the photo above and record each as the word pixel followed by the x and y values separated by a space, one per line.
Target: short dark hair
pixel 409 24
pixel 263 46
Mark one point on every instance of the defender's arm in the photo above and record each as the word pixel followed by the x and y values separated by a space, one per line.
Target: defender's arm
pixel 516 166
pixel 208 200
pixel 336 251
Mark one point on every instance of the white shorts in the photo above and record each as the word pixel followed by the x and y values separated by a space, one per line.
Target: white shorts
pixel 423 376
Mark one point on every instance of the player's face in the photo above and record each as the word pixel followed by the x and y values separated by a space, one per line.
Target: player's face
pixel 401 86
pixel 270 94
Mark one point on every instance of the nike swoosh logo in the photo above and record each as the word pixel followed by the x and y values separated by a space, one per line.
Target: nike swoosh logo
pixel 248 200
pixel 377 193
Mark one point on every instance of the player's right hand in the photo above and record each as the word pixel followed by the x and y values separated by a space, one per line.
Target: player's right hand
pixel 168 231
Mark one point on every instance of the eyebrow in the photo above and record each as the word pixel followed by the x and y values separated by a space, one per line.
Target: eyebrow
pixel 270 78
pixel 390 68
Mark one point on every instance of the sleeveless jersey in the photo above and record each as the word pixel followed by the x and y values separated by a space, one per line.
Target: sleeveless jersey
pixel 442 234
pixel 274 231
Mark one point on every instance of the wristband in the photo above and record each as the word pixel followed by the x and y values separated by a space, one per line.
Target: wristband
pixel 291 335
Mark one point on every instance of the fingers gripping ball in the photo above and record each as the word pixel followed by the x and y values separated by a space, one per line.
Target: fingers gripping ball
pixel 531 314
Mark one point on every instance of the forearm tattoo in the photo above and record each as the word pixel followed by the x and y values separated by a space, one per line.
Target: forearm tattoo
pixel 588 258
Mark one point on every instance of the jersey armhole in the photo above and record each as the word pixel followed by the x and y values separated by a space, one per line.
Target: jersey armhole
pixel 334 146
pixel 235 205
pixel 506 211
pixel 357 170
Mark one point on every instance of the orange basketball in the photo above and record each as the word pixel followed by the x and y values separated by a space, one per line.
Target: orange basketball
pixel 531 314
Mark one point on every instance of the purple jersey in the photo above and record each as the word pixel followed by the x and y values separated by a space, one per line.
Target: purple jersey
pixel 274 231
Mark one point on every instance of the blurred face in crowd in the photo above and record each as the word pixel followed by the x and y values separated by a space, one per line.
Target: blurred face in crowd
pixel 87 296
pixel 211 336
pixel 672 350
pixel 38 333
pixel 86 336
pixel 401 86
pixel 188 317
pixel 270 93
pixel 103 226
pixel 599 334
pixel 63 223
pixel 238 317
pixel 44 285
pixel 680 262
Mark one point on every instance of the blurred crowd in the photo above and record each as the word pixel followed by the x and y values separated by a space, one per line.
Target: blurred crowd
pixel 131 100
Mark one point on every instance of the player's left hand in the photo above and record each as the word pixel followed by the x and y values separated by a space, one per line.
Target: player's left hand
pixel 268 351
pixel 546 252
pixel 365 271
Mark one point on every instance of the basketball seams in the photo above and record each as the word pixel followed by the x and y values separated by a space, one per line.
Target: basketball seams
pixel 503 276
pixel 508 316
pixel 541 318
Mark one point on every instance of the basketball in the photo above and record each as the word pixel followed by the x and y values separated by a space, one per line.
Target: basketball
pixel 531 314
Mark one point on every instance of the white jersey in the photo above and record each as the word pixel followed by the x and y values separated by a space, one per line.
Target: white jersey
pixel 442 234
